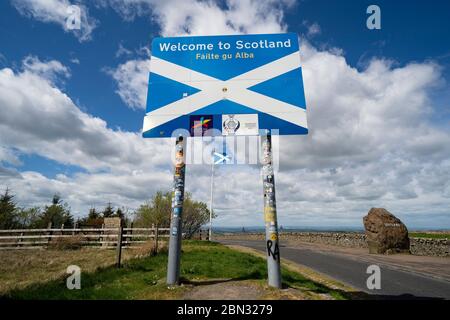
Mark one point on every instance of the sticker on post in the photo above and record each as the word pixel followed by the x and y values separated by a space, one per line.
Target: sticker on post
pixel 179 170
pixel 269 214
pixel 176 212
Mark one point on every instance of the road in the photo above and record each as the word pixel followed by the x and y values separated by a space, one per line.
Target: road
pixel 396 282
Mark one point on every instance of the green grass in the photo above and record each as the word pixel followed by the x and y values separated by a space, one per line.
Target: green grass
pixel 145 278
pixel 429 235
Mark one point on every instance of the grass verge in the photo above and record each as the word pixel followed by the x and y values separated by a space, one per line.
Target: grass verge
pixel 144 278
pixel 429 235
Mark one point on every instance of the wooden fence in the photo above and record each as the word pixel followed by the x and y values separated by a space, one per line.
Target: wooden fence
pixel 94 237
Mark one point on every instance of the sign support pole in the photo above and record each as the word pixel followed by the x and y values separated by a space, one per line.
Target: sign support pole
pixel 173 265
pixel 270 213
pixel 212 197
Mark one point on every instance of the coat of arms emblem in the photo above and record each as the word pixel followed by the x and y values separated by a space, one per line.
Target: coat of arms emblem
pixel 231 125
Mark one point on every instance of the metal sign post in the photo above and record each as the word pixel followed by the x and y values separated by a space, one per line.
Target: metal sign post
pixel 270 213
pixel 173 266
pixel 212 195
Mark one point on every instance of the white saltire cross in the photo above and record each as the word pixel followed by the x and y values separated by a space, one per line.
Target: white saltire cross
pixel 234 89
pixel 221 158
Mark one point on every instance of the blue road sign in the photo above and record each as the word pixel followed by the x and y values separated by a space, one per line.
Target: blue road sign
pixel 225 85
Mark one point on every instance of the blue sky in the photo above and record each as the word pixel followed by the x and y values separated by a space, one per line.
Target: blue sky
pixel 399 163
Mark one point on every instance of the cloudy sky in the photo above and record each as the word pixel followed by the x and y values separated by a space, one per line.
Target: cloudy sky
pixel 72 104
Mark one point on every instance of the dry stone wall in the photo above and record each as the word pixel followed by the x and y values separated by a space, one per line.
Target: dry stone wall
pixel 418 246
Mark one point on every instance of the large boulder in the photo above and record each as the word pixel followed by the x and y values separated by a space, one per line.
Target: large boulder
pixel 385 233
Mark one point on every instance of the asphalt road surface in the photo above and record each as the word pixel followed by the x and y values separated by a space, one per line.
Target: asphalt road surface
pixel 395 283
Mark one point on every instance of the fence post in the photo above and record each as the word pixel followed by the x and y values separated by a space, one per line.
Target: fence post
pixel 49 233
pixel 119 246
pixel 75 225
pixel 129 232
pixel 20 239
pixel 101 238
pixel 156 240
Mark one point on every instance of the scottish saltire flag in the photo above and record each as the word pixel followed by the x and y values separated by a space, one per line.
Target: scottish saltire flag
pixel 234 84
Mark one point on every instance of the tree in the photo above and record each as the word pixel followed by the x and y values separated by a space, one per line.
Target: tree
pixel 8 211
pixel 155 212
pixel 124 215
pixel 158 211
pixel 58 213
pixel 93 219
pixel 28 218
pixel 119 213
pixel 195 214
pixel 93 214
pixel 108 212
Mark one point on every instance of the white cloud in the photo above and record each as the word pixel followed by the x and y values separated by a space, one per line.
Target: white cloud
pixel 313 29
pixel 132 82
pixel 49 70
pixel 122 51
pixel 208 17
pixel 83 191
pixel 56 11
pixel 37 117
pixel 75 60
pixel 8 156
pixel 366 114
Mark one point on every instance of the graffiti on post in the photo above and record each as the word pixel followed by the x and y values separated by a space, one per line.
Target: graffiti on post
pixel 275 252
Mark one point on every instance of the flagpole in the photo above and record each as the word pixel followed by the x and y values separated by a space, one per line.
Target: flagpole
pixel 212 195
